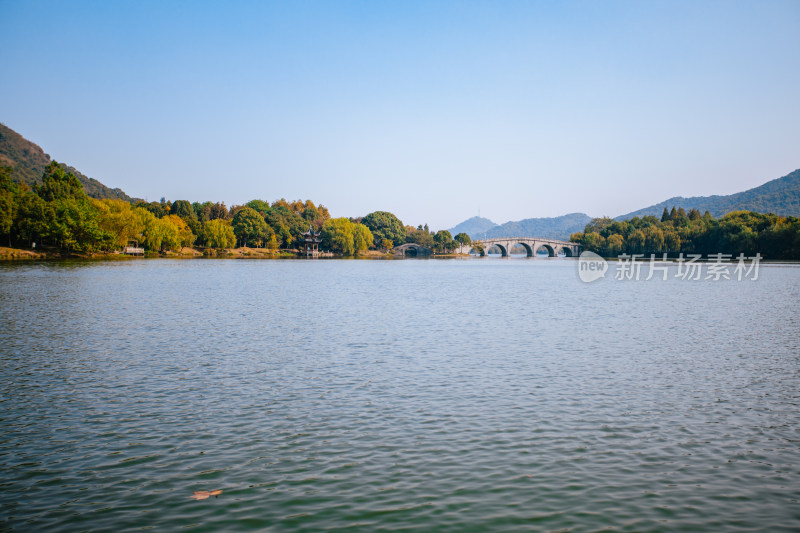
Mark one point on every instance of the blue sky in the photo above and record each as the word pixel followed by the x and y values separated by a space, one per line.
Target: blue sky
pixel 432 110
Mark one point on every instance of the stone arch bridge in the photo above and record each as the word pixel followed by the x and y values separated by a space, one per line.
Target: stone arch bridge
pixel 530 244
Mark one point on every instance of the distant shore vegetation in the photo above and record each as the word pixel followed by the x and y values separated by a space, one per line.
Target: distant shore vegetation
pixel 737 232
pixel 58 215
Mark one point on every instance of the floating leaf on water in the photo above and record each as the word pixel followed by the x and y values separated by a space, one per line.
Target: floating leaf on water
pixel 204 494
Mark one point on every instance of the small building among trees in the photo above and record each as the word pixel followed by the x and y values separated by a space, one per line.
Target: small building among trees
pixel 311 241
pixel 133 249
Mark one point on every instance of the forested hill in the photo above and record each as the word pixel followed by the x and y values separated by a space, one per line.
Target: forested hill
pixel 552 228
pixel 780 196
pixel 473 226
pixel 28 161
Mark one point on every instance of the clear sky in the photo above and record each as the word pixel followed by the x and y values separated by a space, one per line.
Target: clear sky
pixel 432 110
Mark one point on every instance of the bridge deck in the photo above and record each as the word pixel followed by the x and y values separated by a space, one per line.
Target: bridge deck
pixel 526 239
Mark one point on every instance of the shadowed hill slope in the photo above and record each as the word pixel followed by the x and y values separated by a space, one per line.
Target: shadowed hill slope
pixel 29 160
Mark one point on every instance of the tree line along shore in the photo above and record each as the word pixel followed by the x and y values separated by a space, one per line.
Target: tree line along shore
pixel 58 218
pixel 737 232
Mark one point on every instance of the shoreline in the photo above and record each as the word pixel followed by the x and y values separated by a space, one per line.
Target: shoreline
pixel 8 254
pixel 22 254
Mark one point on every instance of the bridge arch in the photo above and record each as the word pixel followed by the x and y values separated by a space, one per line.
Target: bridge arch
pixel 527 247
pixel 567 251
pixel 551 251
pixel 411 250
pixel 503 248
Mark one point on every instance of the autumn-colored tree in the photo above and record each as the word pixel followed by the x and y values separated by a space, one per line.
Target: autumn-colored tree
pixel 337 235
pixel 614 244
pixel 185 235
pixel 592 240
pixel 635 241
pixel 672 241
pixel 654 239
pixel 119 219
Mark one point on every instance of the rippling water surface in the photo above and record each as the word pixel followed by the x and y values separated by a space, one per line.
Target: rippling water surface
pixel 421 395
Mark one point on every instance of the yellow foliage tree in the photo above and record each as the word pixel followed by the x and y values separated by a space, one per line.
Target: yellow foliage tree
pixel 362 238
pixel 219 234
pixel 119 219
pixel 185 235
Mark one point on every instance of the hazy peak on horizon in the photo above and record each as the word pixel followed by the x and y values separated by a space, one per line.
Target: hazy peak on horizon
pixel 560 227
pixel 472 226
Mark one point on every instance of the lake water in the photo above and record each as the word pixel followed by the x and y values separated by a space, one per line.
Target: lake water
pixel 448 395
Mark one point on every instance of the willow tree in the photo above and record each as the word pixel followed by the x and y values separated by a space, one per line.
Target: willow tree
pixel 337 236
pixel 362 238
pixel 219 234
pixel 346 237
pixel 122 221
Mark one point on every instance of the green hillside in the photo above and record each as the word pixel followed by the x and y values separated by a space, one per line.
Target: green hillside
pixel 780 196
pixel 548 227
pixel 28 162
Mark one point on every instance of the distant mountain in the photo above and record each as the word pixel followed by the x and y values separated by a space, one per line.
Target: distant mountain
pixel 551 228
pixel 28 161
pixel 474 225
pixel 780 196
